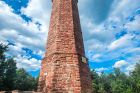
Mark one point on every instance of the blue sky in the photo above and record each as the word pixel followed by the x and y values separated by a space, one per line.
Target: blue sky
pixel 111 31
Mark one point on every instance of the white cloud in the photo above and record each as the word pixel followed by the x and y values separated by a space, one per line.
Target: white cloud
pixel 134 50
pixel 22 34
pixel 40 12
pixel 101 69
pixel 120 64
pixel 94 44
pixel 38 9
pixel 134 25
pixel 13 27
pixel 15 50
pixel 96 32
pixel 29 64
pixel 124 41
pixel 121 11
pixel 131 63
pixel 130 68
pixel 101 38
pixel 96 56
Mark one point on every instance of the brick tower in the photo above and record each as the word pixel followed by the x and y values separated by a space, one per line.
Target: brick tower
pixel 65 68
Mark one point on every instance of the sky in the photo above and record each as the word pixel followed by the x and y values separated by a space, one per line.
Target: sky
pixel 111 32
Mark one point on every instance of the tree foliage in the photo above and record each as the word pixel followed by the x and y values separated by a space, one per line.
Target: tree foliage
pixel 117 82
pixel 9 74
pixel 24 81
pixel 12 78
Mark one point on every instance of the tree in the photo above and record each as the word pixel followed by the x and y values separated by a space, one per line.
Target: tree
pixel 3 49
pixel 9 74
pixel 135 77
pixel 10 77
pixel 115 82
pixel 95 81
pixel 104 83
pixel 36 83
pixel 7 69
pixel 24 81
pixel 100 83
pixel 120 84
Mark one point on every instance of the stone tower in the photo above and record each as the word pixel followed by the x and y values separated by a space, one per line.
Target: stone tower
pixel 65 68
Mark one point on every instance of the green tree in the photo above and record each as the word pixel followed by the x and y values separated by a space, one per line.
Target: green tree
pixel 7 69
pixel 104 83
pixel 116 82
pixel 9 74
pixel 10 77
pixel 3 49
pixel 24 81
pixel 95 81
pixel 36 83
pixel 135 77
pixel 121 82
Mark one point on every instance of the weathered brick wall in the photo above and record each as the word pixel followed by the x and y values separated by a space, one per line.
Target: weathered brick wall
pixel 63 70
pixel 42 77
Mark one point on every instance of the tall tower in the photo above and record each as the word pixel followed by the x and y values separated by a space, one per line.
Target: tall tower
pixel 65 68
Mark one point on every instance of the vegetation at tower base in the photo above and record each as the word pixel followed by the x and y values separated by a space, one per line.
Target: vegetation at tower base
pixel 24 81
pixel 117 81
pixel 12 78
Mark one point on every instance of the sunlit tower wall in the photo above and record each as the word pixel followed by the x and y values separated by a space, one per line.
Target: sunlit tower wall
pixel 65 67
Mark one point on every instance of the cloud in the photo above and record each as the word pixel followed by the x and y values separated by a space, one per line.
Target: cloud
pixel 15 50
pixel 15 28
pixel 120 11
pixel 120 64
pixel 11 21
pixel 96 10
pixel 96 57
pixel 130 68
pixel 124 41
pixel 39 11
pixel 134 25
pixel 23 34
pixel 101 69
pixel 131 63
pixel 29 64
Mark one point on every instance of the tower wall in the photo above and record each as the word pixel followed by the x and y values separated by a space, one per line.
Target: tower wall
pixel 65 68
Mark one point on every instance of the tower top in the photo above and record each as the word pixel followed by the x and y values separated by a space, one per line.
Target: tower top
pixel 74 0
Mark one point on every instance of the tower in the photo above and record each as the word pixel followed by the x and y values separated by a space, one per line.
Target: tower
pixel 65 68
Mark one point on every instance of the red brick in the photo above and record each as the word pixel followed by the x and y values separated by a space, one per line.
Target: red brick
pixel 65 72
